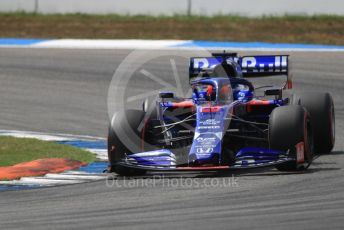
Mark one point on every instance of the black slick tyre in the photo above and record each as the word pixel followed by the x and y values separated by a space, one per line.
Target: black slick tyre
pixel 288 126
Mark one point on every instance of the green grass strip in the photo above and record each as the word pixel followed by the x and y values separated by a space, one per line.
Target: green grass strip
pixel 16 150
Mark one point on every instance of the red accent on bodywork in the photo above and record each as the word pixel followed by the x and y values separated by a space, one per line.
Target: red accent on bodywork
pixel 306 151
pixel 252 103
pixel 209 90
pixel 258 102
pixel 183 104
pixel 213 109
pixel 289 84
pixel 203 168
pixel 300 152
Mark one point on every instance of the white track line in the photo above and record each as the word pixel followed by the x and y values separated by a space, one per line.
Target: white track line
pixel 108 44
pixel 45 181
pixel 82 173
pixel 48 136
pixel 142 44
pixel 101 153
pixel 74 176
pixel 35 181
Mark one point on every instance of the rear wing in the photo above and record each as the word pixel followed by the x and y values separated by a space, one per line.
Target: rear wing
pixel 264 65
pixel 249 66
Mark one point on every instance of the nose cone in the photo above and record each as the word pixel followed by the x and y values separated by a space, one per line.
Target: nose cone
pixel 213 159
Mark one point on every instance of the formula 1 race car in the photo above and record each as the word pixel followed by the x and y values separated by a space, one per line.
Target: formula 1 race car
pixel 224 126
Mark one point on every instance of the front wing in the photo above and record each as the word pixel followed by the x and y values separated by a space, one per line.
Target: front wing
pixel 247 158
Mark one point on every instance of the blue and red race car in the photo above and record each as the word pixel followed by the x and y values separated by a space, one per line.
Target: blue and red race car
pixel 224 126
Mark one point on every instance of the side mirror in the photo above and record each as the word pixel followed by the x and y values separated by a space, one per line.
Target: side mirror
pixel 274 92
pixel 166 95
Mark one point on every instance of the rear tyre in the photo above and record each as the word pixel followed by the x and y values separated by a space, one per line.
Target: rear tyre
pixel 321 109
pixel 289 125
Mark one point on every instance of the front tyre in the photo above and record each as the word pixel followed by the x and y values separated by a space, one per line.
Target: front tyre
pixel 288 126
pixel 125 138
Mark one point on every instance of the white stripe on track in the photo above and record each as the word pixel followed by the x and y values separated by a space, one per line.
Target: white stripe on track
pixel 81 173
pixel 108 44
pixel 74 176
pixel 48 136
pixel 102 154
pixel 47 182
pixel 40 181
pixel 166 45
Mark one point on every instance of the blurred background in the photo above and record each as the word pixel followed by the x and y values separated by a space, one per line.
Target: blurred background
pixel 293 21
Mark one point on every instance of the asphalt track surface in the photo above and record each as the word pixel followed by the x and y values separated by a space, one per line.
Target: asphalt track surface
pixel 65 91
